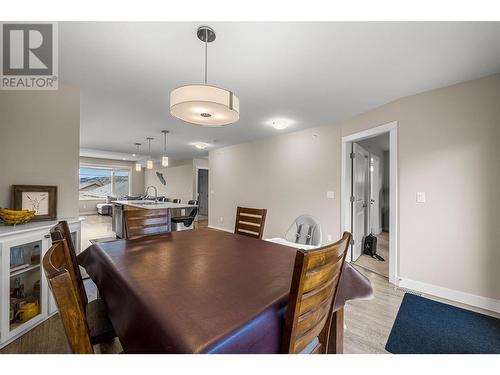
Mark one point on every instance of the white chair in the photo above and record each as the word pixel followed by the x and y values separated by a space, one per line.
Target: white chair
pixel 305 230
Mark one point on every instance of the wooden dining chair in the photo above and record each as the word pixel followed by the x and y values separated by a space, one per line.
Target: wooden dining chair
pixel 101 330
pixel 60 232
pixel 62 282
pixel 311 327
pixel 140 223
pixel 250 221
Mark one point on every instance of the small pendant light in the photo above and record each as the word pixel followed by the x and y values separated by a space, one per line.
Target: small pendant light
pixel 138 165
pixel 149 162
pixel 164 158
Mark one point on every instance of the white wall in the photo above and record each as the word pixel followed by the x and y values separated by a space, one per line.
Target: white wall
pixel 39 143
pixel 448 147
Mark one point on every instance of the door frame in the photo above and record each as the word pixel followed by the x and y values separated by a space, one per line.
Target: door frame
pixel 196 185
pixel 345 204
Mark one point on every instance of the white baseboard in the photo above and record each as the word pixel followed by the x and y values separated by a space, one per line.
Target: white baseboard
pixel 485 303
pixel 222 229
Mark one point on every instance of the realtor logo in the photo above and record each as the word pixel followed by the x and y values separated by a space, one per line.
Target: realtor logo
pixel 29 56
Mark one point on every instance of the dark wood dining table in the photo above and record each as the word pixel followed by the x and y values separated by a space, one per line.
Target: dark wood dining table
pixel 200 291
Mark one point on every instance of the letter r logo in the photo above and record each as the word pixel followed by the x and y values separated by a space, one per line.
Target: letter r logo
pixel 27 49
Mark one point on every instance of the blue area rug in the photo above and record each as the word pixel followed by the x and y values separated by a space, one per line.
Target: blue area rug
pixel 424 326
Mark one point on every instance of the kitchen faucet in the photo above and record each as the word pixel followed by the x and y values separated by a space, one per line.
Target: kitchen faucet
pixel 156 192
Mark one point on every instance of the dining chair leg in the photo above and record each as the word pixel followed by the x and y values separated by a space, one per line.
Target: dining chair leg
pixel 336 341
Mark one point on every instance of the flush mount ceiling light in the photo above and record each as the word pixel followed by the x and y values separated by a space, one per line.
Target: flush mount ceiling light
pixel 164 158
pixel 149 162
pixel 280 124
pixel 200 145
pixel 204 104
pixel 138 165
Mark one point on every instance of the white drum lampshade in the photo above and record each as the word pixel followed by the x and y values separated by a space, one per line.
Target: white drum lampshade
pixel 204 105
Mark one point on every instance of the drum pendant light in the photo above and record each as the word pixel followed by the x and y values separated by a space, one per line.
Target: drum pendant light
pixel 204 104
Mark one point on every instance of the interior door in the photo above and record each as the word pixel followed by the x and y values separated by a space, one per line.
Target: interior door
pixel 360 191
pixel 376 177
pixel 203 191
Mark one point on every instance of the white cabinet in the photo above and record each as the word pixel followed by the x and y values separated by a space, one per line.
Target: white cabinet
pixel 25 297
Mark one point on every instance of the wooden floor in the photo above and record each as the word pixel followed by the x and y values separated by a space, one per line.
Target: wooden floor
pixel 368 323
pixel 375 265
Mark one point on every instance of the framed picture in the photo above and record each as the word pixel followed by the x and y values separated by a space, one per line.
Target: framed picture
pixel 41 199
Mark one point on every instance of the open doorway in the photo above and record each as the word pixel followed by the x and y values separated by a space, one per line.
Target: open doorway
pixel 369 198
pixel 370 179
pixel 202 192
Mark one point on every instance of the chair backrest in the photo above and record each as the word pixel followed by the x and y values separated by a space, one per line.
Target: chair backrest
pixel 62 283
pixel 194 211
pixel 60 232
pixel 305 230
pixel 313 290
pixel 250 221
pixel 176 200
pixel 140 223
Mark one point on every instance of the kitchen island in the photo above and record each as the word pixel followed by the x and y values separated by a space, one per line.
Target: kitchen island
pixel 118 224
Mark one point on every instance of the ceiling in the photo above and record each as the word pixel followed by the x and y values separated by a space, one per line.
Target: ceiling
pixel 309 73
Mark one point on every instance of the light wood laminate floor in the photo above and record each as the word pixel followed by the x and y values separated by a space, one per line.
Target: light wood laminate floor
pixel 375 265
pixel 368 322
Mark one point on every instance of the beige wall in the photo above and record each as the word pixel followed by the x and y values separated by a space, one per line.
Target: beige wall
pixel 89 206
pixel 39 143
pixel 197 163
pixel 448 147
pixel 179 178
pixel 289 175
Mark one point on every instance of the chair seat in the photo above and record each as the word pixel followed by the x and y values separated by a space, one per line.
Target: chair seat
pixel 181 219
pixel 101 329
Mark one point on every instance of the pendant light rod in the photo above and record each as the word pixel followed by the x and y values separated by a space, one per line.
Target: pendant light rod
pixel 149 141
pixel 165 132
pixel 207 35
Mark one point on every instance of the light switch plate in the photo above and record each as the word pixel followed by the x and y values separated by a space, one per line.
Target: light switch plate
pixel 420 196
pixel 330 194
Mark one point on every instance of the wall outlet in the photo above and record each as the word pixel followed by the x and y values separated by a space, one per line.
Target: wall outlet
pixel 329 237
pixel 420 196
pixel 330 194
pixel 221 219
pixel 212 191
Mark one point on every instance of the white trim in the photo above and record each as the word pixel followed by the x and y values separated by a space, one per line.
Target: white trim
pixel 451 294
pixel 345 207
pixel 219 228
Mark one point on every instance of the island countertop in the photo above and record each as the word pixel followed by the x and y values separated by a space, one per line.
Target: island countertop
pixel 151 205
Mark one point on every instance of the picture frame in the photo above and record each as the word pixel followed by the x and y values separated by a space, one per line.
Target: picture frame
pixel 42 199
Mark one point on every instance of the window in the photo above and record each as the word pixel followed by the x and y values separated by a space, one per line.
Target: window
pixel 98 182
